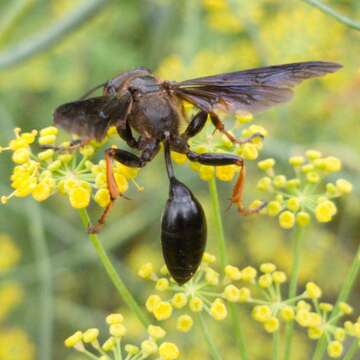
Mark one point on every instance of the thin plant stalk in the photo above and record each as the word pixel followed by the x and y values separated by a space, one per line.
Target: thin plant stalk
pixel 209 341
pixel 354 348
pixel 114 276
pixel 46 320
pixel 343 297
pixel 296 254
pixel 330 11
pixel 276 346
pixel 220 235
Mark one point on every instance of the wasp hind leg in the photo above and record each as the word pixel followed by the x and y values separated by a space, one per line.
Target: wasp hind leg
pixel 222 160
pixel 127 159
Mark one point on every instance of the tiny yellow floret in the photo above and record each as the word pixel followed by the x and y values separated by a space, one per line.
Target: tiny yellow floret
pixel 273 208
pixel 266 164
pixel 74 339
pixel 303 218
pixel 184 323
pixel 267 268
pixel 344 186
pixel 218 310
pixel 313 291
pixel 232 272
pixel 345 308
pixel 271 325
pixel 152 301
pixel 265 281
pixel 114 318
pixel 244 295
pixel 168 351
pixel 248 274
pixel 209 258
pixel 279 277
pixel 296 161
pixel 149 347
pixel 117 330
pixel 196 304
pixel 132 349
pixel 156 332
pixel 162 284
pixel 325 210
pixel 335 349
pixel 90 335
pixel 261 313
pixel 231 293
pixel 286 219
pixel 293 204
pixel 162 310
pixel 287 313
pixel 79 198
pixel 179 300
pixel 146 271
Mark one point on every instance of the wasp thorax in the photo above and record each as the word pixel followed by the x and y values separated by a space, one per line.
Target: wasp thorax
pixel 183 232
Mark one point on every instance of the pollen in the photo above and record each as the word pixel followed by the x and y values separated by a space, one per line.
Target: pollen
pixel 218 310
pixel 156 332
pixel 162 310
pixel 184 323
pixel 169 351
pixel 286 219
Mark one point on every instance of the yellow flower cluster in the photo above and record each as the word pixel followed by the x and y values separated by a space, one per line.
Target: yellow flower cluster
pixel 209 142
pixel 67 172
pixel 295 199
pixel 88 343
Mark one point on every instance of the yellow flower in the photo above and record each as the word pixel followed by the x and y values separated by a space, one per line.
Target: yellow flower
pixel 15 345
pixel 225 173
pixel 303 218
pixel 261 313
pixel 264 184
pixel 41 191
pixel 162 310
pixel 231 293
pixel 325 210
pixel 313 291
pixel 90 335
pixel 117 330
pixel 313 154
pixel 273 208
pixel 345 308
pixel 168 351
pixel 287 219
pixel 265 281
pixel 9 253
pixel 271 325
pixel 11 295
pixel 149 347
pixel 162 284
pixel 343 186
pixel 178 158
pixel 293 204
pixel 248 274
pixel 102 197
pixel 249 151
pixel 211 276
pixel 47 140
pixel 209 258
pixel 332 164
pixel 326 307
pixel 266 164
pixel 296 161
pixel 267 268
pixel 218 310
pixel 196 304
pixel 146 271
pixel 315 333
pixel 109 344
pixel 287 313
pixel 74 340
pixel 51 130
pixel 232 272
pixel 113 319
pixel 131 349
pixel 206 173
pixel 279 277
pixel 280 181
pixel 79 198
pixel 179 300
pixel 152 301
pixel 335 349
pixel 21 155
pixel 156 332
pixel 121 182
pixel 244 294
pixel 184 323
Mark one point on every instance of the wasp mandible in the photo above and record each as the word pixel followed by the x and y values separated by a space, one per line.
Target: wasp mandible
pixel 138 101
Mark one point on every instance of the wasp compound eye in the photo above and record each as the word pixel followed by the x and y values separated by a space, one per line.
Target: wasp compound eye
pixel 183 232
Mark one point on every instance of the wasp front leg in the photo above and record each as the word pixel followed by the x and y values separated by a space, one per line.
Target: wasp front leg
pixel 222 160
pixel 128 159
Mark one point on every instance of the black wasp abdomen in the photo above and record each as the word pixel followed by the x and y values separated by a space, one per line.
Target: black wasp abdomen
pixel 183 233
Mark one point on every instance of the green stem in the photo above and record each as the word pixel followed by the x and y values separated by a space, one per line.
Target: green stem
pixel 46 312
pixel 114 276
pixel 354 348
pixel 329 11
pixel 209 341
pixel 296 253
pixel 53 36
pixel 343 297
pixel 219 230
pixel 276 345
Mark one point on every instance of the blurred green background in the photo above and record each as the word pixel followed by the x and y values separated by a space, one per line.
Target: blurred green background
pixel 50 280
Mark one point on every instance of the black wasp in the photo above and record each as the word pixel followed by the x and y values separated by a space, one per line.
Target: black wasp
pixel 138 101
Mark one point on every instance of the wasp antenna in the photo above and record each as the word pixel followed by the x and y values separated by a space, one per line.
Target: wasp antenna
pixel 91 91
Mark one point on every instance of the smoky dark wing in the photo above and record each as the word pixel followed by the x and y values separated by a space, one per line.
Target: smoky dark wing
pixel 250 90
pixel 92 117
